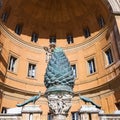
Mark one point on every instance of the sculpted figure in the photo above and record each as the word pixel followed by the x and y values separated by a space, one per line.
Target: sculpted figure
pixel 32 99
pixel 88 100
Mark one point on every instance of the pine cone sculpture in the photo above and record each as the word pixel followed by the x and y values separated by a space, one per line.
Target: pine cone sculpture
pixel 59 74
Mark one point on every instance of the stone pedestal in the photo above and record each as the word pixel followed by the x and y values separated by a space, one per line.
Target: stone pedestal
pixel 89 112
pixel 59 117
pixel 31 112
pixel 59 104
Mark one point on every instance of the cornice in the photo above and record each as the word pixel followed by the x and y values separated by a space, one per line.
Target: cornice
pixel 9 95
pixel 18 40
pixel 24 81
pixel 89 41
pixel 17 90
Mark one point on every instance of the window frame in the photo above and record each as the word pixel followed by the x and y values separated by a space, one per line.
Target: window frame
pixel 16 63
pixel 106 62
pixel 91 66
pixel 76 118
pixel 34 37
pixel 1 3
pixel 75 63
pixel 86 32
pixel 4 16
pixel 70 39
pixel 31 116
pixel 4 110
pixel 50 116
pixel 87 64
pixel 52 39
pixel 18 29
pixel 30 76
pixel 101 21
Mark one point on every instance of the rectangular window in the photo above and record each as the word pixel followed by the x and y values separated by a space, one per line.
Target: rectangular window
pixel 4 16
pixel 86 32
pixel 109 56
pixel 50 117
pixel 4 110
pixel 75 116
pixel 70 39
pixel 53 39
pixel 34 37
pixel 12 64
pixel 30 116
pixel 118 105
pixel 1 3
pixel 31 70
pixel 101 21
pixel 91 66
pixel 74 70
pixel 18 29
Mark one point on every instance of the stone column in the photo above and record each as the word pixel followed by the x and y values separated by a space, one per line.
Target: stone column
pixel 59 104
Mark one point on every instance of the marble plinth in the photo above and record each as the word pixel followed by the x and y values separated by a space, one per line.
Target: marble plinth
pixel 59 104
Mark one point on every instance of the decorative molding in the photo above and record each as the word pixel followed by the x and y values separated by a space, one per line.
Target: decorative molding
pixel 86 43
pixel 44 101
pixel 18 40
pixel 76 93
pixel 24 81
pixel 21 91
pixel 115 4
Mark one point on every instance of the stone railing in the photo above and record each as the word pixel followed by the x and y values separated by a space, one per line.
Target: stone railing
pixel 109 116
pixel 86 112
pixel 44 117
pixel 10 117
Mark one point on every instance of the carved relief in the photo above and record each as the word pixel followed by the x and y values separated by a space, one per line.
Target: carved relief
pixel 59 103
